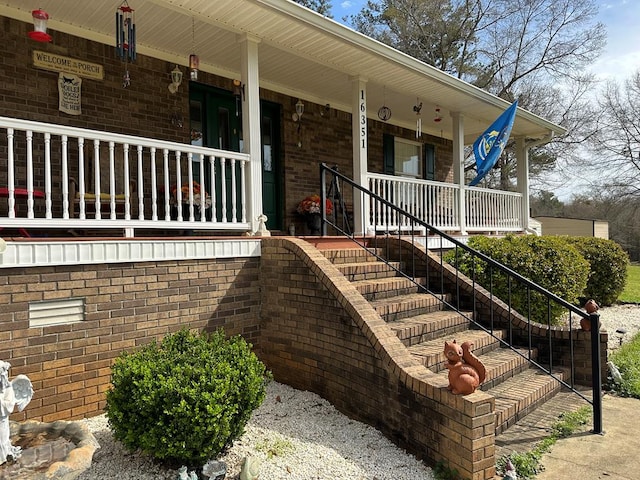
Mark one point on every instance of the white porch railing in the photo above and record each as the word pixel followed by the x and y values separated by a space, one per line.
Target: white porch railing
pixel 437 204
pixel 54 176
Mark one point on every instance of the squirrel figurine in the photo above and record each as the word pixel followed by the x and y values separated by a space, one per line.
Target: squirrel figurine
pixel 466 371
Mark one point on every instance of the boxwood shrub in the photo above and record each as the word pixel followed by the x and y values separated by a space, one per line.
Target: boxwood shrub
pixel 551 262
pixel 608 268
pixel 185 399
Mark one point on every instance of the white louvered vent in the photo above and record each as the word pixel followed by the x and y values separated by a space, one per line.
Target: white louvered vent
pixel 56 312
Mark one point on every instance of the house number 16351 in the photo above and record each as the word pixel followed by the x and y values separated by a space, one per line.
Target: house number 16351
pixel 363 120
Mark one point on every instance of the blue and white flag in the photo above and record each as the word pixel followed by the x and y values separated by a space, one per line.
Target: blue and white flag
pixel 488 147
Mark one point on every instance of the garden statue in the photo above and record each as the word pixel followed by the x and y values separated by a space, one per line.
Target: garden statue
pixel 466 371
pixel 18 393
pixel 183 475
pixel 591 307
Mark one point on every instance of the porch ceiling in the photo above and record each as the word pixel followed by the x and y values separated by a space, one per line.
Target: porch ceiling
pixel 301 54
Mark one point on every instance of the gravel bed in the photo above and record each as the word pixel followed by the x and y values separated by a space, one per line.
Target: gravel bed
pixel 298 435
pixel 295 435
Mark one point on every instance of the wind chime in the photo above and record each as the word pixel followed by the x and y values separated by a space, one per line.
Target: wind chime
pixel 384 112
pixel 417 109
pixel 194 60
pixel 125 38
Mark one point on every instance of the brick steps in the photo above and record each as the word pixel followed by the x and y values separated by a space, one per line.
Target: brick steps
pixel 409 305
pixel 422 324
pixel 422 328
pixel 367 270
pixel 379 288
pixel 518 396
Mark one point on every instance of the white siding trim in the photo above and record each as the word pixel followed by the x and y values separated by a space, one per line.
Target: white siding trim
pixel 39 253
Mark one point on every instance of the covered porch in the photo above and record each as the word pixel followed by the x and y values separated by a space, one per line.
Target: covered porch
pixel 338 97
pixel 66 179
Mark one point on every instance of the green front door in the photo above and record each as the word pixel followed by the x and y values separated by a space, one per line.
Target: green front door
pixel 216 121
pixel 271 174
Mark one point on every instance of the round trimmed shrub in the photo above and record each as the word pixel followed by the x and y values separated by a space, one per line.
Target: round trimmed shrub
pixel 608 273
pixel 186 399
pixel 548 261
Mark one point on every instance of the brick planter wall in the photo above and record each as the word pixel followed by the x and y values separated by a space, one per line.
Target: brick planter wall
pixel 319 334
pixel 127 305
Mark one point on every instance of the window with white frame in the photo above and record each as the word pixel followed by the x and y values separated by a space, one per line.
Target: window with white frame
pixel 408 158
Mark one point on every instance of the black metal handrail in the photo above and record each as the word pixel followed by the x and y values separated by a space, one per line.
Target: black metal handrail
pixel 340 221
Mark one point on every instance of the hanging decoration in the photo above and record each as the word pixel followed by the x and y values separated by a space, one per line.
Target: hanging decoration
pixel 125 38
pixel 194 60
pixel 417 109
pixel 438 117
pixel 39 33
pixel 384 112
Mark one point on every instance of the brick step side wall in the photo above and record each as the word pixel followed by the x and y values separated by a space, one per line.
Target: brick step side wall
pixel 319 334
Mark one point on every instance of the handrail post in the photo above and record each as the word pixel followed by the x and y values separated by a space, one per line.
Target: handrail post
pixel 596 374
pixel 323 199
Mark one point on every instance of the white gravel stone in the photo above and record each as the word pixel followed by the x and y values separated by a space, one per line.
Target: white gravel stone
pixel 298 435
pixel 295 435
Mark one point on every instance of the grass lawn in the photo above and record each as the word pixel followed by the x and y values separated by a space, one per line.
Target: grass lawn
pixel 631 293
pixel 627 359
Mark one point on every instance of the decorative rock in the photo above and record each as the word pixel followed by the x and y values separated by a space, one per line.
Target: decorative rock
pixel 215 470
pixel 250 469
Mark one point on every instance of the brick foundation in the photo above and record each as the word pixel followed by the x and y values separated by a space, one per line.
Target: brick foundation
pixel 127 305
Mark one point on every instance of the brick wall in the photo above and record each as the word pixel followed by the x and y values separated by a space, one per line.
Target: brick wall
pixel 318 334
pixel 127 305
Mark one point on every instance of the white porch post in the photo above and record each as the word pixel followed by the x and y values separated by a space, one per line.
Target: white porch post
pixel 251 126
pixel 359 132
pixel 522 170
pixel 458 167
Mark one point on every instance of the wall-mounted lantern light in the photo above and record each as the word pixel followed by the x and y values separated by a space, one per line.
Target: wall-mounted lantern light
pixel 39 34
pixel 299 111
pixel 176 80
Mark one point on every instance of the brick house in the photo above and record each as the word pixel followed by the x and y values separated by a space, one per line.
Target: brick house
pixel 95 149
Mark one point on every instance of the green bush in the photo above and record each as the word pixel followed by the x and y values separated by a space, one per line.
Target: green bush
pixel 186 399
pixel 548 261
pixel 608 273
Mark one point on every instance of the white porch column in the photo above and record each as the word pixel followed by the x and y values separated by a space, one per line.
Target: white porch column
pixel 251 126
pixel 458 167
pixel 522 170
pixel 359 133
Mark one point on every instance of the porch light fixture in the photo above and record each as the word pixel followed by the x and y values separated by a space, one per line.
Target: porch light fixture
pixel 297 115
pixel 176 79
pixel 299 111
pixel 39 33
